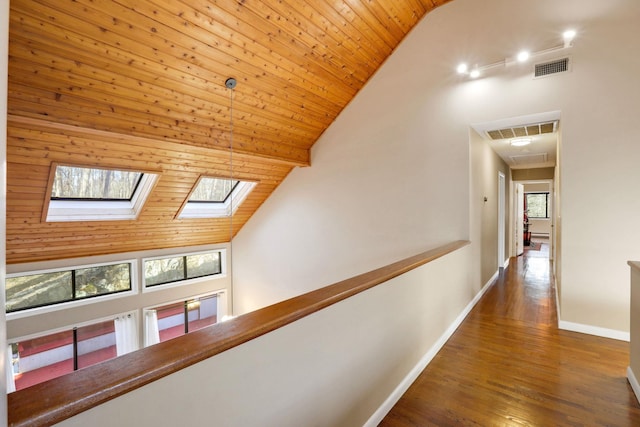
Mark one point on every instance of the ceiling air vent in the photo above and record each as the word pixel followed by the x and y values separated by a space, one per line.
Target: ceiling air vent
pixel 553 67
pixel 524 130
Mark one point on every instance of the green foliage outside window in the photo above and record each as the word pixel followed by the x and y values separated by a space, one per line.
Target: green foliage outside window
pixel 71 182
pixel 537 205
pixel 42 289
pixel 176 268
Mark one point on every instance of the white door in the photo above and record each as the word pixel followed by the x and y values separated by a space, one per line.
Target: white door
pixel 501 218
pixel 519 219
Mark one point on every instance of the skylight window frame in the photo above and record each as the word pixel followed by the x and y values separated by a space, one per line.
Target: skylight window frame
pixel 203 209
pixel 229 194
pixel 96 199
pixel 71 209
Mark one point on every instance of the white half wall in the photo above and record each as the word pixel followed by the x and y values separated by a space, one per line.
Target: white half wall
pixel 322 370
pixel 390 177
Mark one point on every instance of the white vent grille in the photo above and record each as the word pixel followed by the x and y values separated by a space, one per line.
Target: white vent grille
pixel 522 131
pixel 553 67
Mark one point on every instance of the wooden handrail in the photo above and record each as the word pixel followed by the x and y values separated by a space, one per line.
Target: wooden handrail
pixel 60 398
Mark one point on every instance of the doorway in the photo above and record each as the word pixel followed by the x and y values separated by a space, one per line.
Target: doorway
pixel 537 219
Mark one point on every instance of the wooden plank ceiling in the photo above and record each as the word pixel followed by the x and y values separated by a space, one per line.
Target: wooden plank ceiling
pixel 140 84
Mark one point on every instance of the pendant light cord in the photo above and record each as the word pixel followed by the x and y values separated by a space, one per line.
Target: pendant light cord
pixel 231 167
pixel 230 83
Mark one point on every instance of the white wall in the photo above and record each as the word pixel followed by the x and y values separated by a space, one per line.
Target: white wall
pixel 4 55
pixel 389 179
pixel 390 176
pixel 485 165
pixel 600 175
pixel 540 227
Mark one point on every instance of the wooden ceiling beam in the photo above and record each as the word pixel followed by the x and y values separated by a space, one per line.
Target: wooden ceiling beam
pixel 296 157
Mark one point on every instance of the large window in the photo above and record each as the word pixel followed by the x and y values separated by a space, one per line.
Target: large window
pixel 160 271
pixel 537 205
pixel 215 197
pixel 38 359
pixel 173 320
pixel 38 289
pixel 80 193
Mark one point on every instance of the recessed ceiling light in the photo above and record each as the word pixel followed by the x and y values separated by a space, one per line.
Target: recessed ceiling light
pixel 475 73
pixel 568 37
pixel 523 56
pixel 520 142
pixel 462 68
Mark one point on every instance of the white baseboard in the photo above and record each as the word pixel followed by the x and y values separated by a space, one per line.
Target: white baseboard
pixel 634 383
pixel 505 265
pixel 555 280
pixel 406 382
pixel 594 330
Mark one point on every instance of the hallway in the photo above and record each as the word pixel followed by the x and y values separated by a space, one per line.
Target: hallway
pixel 509 365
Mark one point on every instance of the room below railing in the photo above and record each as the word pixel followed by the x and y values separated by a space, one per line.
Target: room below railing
pixel 61 398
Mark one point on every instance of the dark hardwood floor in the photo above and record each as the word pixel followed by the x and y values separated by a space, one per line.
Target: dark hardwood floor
pixel 509 365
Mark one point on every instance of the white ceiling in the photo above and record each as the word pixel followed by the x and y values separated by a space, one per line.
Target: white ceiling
pixel 541 153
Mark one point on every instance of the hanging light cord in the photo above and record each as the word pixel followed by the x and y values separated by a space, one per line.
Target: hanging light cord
pixel 231 164
pixel 230 83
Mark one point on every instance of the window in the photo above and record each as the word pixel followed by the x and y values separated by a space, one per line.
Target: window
pixel 176 319
pixel 77 183
pixel 37 289
pixel 537 205
pixel 35 360
pixel 160 271
pixel 213 190
pixel 215 197
pixel 96 194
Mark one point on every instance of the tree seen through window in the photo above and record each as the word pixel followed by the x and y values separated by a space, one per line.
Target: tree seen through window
pixel 537 205
pixel 71 182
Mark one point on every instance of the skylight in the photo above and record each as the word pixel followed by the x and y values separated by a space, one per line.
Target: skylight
pixel 80 193
pixel 215 197
pixel 212 190
pixel 79 183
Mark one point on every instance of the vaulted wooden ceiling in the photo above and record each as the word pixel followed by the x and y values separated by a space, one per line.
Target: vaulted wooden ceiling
pixel 140 84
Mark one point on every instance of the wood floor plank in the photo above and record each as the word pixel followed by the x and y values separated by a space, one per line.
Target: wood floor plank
pixel 509 365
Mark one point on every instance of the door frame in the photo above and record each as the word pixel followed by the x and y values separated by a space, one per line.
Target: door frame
pixel 552 207
pixel 519 218
pixel 502 212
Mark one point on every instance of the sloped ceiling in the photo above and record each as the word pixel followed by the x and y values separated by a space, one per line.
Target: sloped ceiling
pixel 140 84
